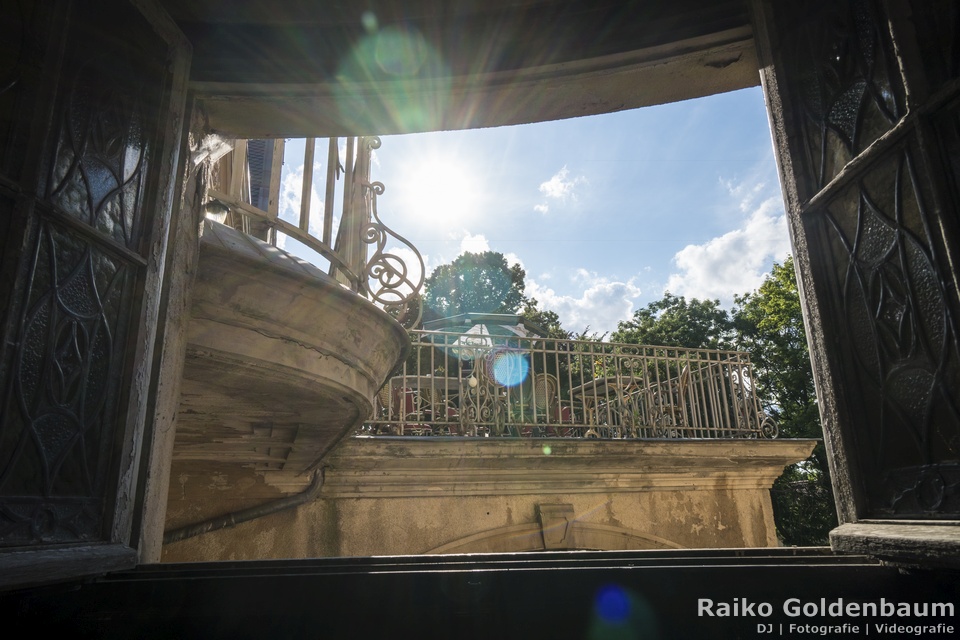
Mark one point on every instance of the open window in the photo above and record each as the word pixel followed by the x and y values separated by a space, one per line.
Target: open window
pixel 863 98
pixel 863 110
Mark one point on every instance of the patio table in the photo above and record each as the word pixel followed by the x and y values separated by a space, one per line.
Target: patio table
pixel 604 401
pixel 426 398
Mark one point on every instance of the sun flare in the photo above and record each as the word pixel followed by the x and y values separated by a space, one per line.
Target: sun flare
pixel 439 190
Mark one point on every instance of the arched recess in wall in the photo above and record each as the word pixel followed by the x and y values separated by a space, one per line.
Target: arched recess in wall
pixel 580 536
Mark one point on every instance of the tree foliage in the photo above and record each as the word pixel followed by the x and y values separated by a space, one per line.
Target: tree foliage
pixel 544 318
pixel 769 325
pixel 673 321
pixel 474 283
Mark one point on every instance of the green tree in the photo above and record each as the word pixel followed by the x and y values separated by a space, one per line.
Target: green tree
pixel 555 358
pixel 673 321
pixel 769 325
pixel 546 319
pixel 474 283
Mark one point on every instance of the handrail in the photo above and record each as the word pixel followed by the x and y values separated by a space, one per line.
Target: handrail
pixel 384 277
pixel 286 228
pixel 491 385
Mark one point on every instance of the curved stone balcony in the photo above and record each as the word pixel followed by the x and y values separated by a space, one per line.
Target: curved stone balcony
pixel 282 362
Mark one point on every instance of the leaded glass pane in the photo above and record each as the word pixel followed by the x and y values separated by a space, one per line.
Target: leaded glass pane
pixel 894 338
pixel 105 125
pixel 844 82
pixel 63 392
pixel 101 155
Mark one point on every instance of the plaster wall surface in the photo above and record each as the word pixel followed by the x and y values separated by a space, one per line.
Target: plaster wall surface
pixel 397 496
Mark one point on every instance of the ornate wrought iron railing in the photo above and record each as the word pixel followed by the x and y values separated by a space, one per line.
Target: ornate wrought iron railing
pixel 246 195
pixel 488 385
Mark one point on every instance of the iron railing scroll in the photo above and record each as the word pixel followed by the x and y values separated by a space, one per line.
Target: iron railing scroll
pixel 363 256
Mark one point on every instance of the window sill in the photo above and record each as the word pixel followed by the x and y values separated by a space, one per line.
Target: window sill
pixel 39 566
pixel 908 543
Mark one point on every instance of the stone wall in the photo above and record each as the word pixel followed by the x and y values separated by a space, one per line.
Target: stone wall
pixel 397 496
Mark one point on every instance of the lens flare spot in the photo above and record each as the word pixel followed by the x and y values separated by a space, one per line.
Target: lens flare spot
pixel 369 21
pixel 510 368
pixel 612 604
pixel 392 79
pixel 400 53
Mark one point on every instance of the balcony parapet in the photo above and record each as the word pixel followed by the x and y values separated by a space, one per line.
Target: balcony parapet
pixel 361 251
pixel 400 495
pixel 478 384
pixel 397 467
pixel 282 361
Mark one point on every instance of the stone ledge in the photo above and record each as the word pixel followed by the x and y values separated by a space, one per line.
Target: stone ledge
pixel 378 467
pixel 911 543
pixel 693 67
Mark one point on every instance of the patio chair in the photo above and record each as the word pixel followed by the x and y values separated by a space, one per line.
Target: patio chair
pixel 548 408
pixel 407 410
pixel 546 397
pixel 439 410
pixel 538 398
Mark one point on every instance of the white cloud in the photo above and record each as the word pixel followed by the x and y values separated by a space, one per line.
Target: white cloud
pixel 291 190
pixel 474 243
pixel 559 187
pixel 746 193
pixel 735 262
pixel 602 304
pixel 478 244
pixel 513 259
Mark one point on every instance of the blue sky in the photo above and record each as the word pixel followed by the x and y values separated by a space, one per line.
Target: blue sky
pixel 604 213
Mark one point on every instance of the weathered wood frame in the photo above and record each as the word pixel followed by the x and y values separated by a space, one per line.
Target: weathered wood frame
pixel 908 540
pixel 118 548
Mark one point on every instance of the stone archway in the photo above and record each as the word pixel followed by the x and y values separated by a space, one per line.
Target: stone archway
pixel 579 536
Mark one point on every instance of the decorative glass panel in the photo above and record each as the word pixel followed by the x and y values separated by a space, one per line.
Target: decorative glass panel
pixel 844 83
pixel 102 151
pixel 62 393
pixel 894 336
pixel 105 125
pixel 70 295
